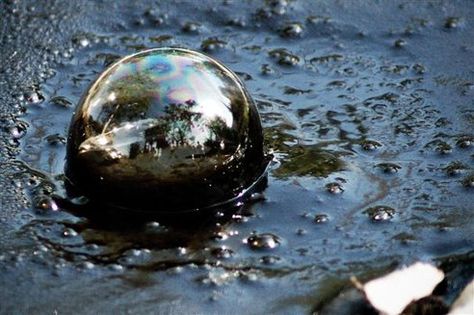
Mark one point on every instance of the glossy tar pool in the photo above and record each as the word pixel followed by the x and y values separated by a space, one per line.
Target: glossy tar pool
pixel 367 108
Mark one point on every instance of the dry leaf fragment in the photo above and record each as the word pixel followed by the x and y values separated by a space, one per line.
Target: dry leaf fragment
pixel 390 294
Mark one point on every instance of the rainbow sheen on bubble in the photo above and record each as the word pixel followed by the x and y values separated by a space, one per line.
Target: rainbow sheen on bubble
pixel 165 120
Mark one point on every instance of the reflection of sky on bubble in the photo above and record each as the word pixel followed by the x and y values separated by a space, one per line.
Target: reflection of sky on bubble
pixel 166 79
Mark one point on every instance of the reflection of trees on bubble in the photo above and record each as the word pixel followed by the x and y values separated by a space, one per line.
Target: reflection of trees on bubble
pixel 177 127
pixel 133 99
pixel 221 137
pixel 173 128
pixel 128 100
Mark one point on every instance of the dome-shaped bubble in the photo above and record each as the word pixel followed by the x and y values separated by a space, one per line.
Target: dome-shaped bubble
pixel 165 130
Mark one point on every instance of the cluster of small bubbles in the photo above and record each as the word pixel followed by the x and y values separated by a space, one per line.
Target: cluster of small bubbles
pixel 334 188
pixel 219 277
pixel 212 44
pixel 370 145
pixel 455 168
pixel 388 168
pixel 452 22
pixel 222 252
pixel 468 182
pixel 399 43
pixel 380 213
pixel 321 218
pixel 60 101
pixel 291 30
pixel 284 57
pixel 192 27
pixel 263 241
pixel 465 142
pixel 55 139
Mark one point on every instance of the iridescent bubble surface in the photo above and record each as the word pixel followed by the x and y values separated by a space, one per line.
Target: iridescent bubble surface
pixel 165 129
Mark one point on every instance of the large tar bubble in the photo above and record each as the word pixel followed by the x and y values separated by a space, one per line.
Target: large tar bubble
pixel 165 130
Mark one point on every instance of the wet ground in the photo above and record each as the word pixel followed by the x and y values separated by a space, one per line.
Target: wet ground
pixel 369 111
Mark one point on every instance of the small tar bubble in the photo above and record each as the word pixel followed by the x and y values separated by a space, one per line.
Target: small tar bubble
pixel 334 188
pixel 191 27
pixel 60 101
pixel 301 232
pixel 116 267
pixel 389 168
pixel 18 131
pixel 465 142
pixel 444 148
pixel 212 44
pixel 55 139
pixel 263 241
pixel 452 22
pixel 380 213
pixel 222 252
pixel 370 145
pixel 468 182
pixel 270 260
pixel 87 265
pixel 399 43
pixel 68 232
pixel 455 168
pixel 257 197
pixel 34 97
pixel 321 218
pixel 265 69
pixel 291 30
